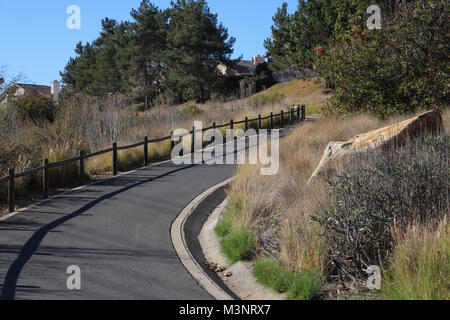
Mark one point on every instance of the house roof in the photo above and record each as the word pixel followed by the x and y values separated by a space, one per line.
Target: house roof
pixel 43 90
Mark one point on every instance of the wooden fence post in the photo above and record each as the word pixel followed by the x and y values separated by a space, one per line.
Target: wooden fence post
pixel 45 179
pixel 298 113
pixel 271 121
pixel 292 116
pixel 172 142
pixel 282 118
pixel 259 123
pixel 11 190
pixel 246 123
pixel 231 124
pixel 145 151
pixel 115 160
pixel 303 112
pixel 193 141
pixel 81 167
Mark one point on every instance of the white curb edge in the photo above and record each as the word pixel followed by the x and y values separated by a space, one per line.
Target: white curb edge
pixel 179 243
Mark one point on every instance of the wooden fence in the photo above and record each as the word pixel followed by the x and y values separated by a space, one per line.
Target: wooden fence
pixel 294 115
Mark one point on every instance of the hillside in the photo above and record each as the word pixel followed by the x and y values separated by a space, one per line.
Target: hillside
pixel 309 92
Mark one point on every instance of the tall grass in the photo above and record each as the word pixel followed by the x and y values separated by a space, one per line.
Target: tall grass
pixel 279 208
pixel 420 267
pixel 92 124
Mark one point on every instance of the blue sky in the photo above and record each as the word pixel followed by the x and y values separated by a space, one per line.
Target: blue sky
pixel 36 42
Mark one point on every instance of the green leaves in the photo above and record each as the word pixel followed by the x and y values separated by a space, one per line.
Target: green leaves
pixel 36 108
pixel 196 45
pixel 383 188
pixel 397 69
pixel 170 53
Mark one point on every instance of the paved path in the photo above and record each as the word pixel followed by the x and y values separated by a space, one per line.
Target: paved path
pixel 117 231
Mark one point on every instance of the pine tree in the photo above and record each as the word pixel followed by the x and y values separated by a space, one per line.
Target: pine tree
pixel 309 29
pixel 148 45
pixel 196 45
pixel 280 44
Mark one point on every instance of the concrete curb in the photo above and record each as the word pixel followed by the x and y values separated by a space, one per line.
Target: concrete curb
pixel 179 242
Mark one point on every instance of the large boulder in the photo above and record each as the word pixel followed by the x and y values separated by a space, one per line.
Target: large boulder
pixel 393 136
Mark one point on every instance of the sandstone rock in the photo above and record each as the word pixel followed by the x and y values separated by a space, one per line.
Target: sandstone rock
pixel 392 136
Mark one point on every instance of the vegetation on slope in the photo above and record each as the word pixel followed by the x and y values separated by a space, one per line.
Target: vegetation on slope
pixel 279 209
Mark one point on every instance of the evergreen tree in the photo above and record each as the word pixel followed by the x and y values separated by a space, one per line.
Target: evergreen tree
pixel 113 55
pixel 309 29
pixel 148 46
pixel 280 45
pixel 196 45
pixel 102 67
pixel 316 24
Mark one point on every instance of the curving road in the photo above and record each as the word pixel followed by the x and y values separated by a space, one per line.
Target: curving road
pixel 117 231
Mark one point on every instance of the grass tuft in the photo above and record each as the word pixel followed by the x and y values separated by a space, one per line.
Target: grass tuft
pixel 239 244
pixel 299 286
pixel 224 226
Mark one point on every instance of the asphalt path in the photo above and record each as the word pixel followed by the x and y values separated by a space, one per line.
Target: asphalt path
pixel 117 231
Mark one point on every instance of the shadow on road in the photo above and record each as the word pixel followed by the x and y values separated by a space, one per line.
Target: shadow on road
pixel 8 289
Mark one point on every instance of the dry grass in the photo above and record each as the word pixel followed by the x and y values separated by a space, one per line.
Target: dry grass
pixel 420 268
pixel 279 207
pixel 446 119
pixel 309 92
pixel 91 125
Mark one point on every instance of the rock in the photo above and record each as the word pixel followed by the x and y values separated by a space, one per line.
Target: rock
pixel 392 136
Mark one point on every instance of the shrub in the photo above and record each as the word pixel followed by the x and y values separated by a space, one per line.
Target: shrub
pixel 139 107
pixel 192 110
pixel 239 244
pixel 36 108
pixel 253 84
pixel 382 189
pixel 401 68
pixel 420 267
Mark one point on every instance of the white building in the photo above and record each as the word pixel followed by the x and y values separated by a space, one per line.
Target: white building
pixel 18 90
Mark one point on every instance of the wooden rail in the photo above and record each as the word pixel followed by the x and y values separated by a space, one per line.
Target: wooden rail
pixel 294 115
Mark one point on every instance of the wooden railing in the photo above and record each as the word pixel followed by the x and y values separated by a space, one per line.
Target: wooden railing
pixel 294 115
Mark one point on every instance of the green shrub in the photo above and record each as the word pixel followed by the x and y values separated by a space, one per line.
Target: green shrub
pixel 304 286
pixel 380 189
pixel 36 108
pixel 252 84
pixel 233 208
pixel 192 110
pixel 239 244
pixel 401 68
